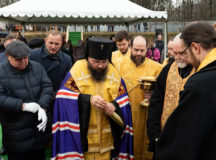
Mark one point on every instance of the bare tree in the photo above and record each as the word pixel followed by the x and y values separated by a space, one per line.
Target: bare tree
pixel 183 10
pixel 4 3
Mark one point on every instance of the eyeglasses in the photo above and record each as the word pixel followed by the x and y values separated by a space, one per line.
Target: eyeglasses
pixel 183 53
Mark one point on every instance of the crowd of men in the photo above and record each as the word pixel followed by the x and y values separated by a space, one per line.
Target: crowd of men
pixel 91 109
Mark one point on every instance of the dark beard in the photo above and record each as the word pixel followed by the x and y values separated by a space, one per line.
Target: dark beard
pixel 98 75
pixel 124 52
pixel 137 61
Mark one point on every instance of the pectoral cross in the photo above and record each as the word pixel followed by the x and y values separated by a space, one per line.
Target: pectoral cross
pixel 83 77
pixel 112 78
pixel 102 46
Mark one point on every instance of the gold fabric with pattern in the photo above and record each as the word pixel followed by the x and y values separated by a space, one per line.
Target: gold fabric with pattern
pixel 118 59
pixel 131 74
pixel 99 132
pixel 174 84
pixel 165 62
pixel 70 84
pixel 97 156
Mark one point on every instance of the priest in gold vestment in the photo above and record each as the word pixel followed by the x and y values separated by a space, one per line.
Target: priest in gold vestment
pixel 132 68
pixel 92 114
pixel 166 94
pixel 122 40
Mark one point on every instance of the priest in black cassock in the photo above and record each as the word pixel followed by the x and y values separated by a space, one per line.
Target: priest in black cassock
pixel 165 98
pixel 190 131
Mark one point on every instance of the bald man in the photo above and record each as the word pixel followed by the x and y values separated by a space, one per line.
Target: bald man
pixel 136 65
pixel 165 98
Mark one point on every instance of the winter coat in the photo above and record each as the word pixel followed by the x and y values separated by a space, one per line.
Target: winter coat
pixel 20 132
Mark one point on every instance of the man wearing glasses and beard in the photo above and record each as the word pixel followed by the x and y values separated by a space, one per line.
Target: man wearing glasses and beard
pixel 165 98
pixel 190 131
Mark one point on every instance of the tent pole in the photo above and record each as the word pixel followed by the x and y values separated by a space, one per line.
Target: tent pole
pixel 67 33
pixel 23 30
pixel 165 39
pixel 127 25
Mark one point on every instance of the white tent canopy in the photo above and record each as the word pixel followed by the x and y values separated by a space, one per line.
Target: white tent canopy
pixel 78 12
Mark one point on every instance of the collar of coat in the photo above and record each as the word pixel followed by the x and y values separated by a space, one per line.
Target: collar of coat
pixel 14 70
pixel 209 58
pixel 44 53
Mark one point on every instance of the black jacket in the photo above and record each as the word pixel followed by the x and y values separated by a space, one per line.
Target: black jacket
pixel 20 132
pixel 190 131
pixel 159 45
pixel 55 68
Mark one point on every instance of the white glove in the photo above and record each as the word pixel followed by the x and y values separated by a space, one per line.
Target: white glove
pixel 30 107
pixel 42 116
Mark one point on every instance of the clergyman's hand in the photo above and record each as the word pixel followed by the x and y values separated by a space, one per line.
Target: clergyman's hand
pixel 98 101
pixel 109 109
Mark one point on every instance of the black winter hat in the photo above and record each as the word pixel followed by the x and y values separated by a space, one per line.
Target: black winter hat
pixel 99 48
pixel 36 43
pixel 17 49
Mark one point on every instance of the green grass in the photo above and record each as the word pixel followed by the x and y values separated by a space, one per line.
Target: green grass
pixel 48 151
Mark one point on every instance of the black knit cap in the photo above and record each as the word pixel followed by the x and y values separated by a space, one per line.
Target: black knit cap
pixel 36 43
pixel 99 48
pixel 17 49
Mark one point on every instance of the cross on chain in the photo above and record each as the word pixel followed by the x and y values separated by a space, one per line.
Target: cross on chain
pixel 83 77
pixel 101 46
pixel 112 78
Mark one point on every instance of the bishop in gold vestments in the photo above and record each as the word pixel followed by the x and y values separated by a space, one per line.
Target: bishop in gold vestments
pixel 132 68
pixel 92 115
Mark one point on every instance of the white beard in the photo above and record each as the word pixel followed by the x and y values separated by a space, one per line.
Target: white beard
pixel 181 64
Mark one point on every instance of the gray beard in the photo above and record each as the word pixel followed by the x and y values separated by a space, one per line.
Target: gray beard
pixel 124 52
pixel 181 64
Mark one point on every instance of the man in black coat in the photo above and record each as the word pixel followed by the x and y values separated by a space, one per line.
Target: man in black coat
pixel 190 131
pixel 55 62
pixel 160 44
pixel 25 95
pixel 50 56
pixel 165 98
